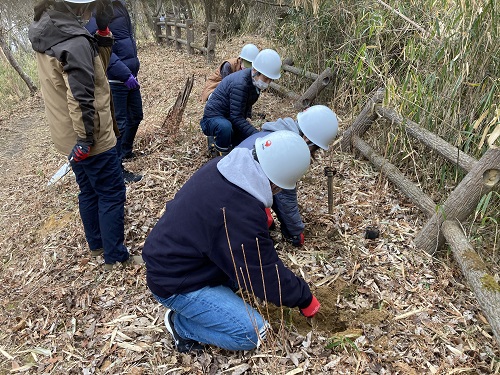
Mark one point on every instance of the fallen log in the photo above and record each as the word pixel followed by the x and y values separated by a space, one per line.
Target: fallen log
pixel 482 283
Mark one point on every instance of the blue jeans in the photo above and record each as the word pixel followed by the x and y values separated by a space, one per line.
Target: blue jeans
pixel 216 316
pixel 128 114
pixel 101 202
pixel 221 128
pixel 286 207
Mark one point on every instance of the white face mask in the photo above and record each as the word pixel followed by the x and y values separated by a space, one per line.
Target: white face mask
pixel 261 85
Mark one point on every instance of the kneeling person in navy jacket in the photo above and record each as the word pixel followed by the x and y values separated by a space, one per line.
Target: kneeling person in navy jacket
pixel 213 239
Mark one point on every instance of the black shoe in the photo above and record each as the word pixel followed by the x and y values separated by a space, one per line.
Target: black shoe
pixel 296 241
pixel 130 155
pixel 182 345
pixel 129 177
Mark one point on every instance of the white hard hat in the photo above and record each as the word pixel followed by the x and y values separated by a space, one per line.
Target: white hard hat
pixel 79 1
pixel 249 52
pixel 284 157
pixel 319 124
pixel 268 62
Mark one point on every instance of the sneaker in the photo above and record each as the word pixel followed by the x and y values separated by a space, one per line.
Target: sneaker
pixel 97 252
pixel 131 261
pixel 181 344
pixel 129 177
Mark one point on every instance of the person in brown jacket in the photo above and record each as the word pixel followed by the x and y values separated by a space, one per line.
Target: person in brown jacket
pixel 244 60
pixel 77 106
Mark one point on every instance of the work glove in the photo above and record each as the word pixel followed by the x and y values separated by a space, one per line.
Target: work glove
pixel 270 219
pixel 312 309
pixel 103 15
pixel 79 153
pixel 297 240
pixel 132 82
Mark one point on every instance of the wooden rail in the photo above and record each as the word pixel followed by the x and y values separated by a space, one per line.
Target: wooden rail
pixel 444 220
pixel 165 26
pixel 321 81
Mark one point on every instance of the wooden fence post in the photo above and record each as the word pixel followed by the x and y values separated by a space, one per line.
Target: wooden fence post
pixel 177 29
pixel 482 178
pixel 212 39
pixel 363 121
pixel 157 29
pixel 190 36
pixel 168 31
pixel 314 90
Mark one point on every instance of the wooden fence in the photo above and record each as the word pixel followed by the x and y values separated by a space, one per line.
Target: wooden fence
pixel 320 82
pixel 444 221
pixel 171 30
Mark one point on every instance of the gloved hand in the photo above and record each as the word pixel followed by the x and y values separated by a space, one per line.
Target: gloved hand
pixel 270 219
pixel 132 82
pixel 79 153
pixel 312 309
pixel 297 240
pixel 103 15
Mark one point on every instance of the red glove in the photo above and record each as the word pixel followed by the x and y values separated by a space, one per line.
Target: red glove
pixel 312 309
pixel 270 220
pixel 79 153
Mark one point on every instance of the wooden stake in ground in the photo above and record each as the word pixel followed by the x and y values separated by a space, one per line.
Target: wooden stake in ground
pixel 174 116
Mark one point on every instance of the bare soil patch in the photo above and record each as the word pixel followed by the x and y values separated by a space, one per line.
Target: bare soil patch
pixel 386 307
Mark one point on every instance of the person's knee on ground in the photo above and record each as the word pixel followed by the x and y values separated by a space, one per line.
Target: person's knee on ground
pixel 250 337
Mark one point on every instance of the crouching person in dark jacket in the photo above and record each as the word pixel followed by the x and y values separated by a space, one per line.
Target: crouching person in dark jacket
pixel 213 239
pixel 230 104
pixel 318 126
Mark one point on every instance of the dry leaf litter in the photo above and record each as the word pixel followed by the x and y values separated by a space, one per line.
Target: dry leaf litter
pixel 387 308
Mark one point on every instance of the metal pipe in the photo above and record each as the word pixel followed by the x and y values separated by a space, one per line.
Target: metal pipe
pixel 329 172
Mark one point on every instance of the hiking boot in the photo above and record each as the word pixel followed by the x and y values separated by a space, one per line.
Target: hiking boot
pixel 131 261
pixel 181 344
pixel 129 177
pixel 97 252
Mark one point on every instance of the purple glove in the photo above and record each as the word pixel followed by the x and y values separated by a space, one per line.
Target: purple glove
pixel 132 83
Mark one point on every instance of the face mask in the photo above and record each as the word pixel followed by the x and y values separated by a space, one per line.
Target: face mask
pixel 261 85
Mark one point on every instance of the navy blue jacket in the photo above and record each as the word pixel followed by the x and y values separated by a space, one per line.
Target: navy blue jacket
pixel 188 248
pixel 124 60
pixel 233 99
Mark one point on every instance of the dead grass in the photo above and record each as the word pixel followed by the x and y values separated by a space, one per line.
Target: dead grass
pixel 403 311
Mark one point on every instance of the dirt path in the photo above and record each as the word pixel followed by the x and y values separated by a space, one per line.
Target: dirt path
pixel 386 308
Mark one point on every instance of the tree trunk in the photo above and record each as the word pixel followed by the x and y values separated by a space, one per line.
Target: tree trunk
pixel 462 201
pixel 10 57
pixel 148 13
pixel 482 283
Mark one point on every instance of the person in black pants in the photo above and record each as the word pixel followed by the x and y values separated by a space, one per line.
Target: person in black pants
pixel 122 76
